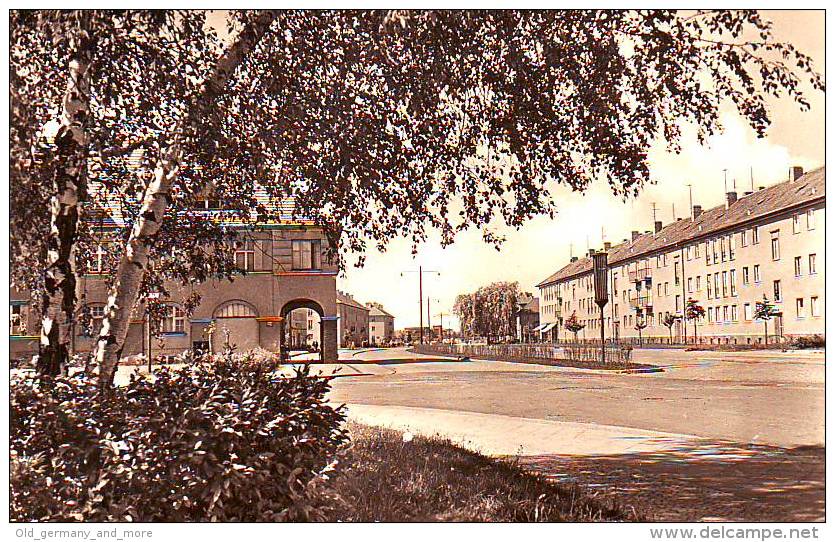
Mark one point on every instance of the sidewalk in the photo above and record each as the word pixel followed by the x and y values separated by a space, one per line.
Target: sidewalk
pixel 494 434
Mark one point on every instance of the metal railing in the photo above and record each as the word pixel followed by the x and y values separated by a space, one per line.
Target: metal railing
pixel 640 274
pixel 640 302
pixel 581 352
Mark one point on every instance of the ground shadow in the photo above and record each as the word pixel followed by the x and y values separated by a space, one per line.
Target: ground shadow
pixel 702 481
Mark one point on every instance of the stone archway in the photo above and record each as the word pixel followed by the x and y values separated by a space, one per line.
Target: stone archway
pixel 235 324
pixel 288 308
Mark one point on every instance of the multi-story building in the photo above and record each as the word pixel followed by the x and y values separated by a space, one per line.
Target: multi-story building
pixel 353 321
pixel 527 318
pixel 285 269
pixel 380 324
pixel 769 242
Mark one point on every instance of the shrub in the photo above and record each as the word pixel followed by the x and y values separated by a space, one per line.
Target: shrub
pixel 815 341
pixel 221 441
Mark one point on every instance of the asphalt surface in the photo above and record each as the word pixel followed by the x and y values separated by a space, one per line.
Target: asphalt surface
pixel 766 398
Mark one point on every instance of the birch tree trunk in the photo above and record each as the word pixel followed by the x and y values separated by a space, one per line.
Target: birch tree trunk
pixel 70 191
pixel 125 289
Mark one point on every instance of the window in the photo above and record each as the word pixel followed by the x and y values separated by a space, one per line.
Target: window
pixel 173 320
pixel 797 266
pixel 689 252
pixel 675 273
pixel 707 253
pixel 696 255
pixel 98 260
pixel 659 289
pixel 96 315
pixel 716 285
pixel 709 291
pixel 17 320
pixel 725 313
pixel 722 248
pixel 813 264
pixel 755 235
pixel 757 277
pixel 777 291
pixel 698 283
pixel 743 238
pixel 307 254
pixel 235 309
pixel 814 306
pixel 678 303
pixel 731 247
pixel 746 311
pixel 734 313
pixel 666 288
pixel 245 255
pixel 775 245
pixel 724 284
pixel 710 314
pixel 715 252
pixel 810 219
pixel 733 281
pixel 796 223
pixel 745 276
pixel 801 309
pixel 690 284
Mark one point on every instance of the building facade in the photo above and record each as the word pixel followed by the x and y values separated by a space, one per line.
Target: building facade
pixel 768 243
pixel 380 324
pixel 285 269
pixel 353 321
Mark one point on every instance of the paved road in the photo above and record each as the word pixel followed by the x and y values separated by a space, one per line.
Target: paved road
pixel 771 398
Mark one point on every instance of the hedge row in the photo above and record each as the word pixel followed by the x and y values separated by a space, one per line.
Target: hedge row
pixel 219 440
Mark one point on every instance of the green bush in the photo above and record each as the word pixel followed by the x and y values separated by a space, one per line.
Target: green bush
pixel 220 441
pixel 815 341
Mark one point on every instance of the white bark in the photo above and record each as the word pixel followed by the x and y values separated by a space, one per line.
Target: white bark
pixel 131 271
pixel 69 138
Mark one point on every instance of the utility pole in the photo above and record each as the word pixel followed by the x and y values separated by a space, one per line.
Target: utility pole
pixel 420 273
pixel 725 171
pixel 653 214
pixel 429 318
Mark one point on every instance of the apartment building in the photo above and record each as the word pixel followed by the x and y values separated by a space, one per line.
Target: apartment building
pixel 285 269
pixel 352 325
pixel 768 242
pixel 380 324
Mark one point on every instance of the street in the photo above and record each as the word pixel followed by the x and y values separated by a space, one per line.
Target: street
pixel 769 398
pixel 715 437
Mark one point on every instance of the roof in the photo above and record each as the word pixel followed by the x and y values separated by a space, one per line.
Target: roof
pixel 378 311
pixel 346 299
pixel 107 211
pixel 805 190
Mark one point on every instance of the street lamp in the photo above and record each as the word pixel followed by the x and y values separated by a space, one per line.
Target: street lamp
pixel 420 273
pixel 601 294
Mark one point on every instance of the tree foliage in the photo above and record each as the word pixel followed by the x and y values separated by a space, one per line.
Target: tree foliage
pixel 490 311
pixel 573 324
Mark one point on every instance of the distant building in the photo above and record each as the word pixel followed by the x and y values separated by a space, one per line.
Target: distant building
pixel 527 318
pixel 769 242
pixel 380 324
pixel 352 325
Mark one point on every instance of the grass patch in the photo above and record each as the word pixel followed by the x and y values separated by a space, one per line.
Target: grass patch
pixel 432 479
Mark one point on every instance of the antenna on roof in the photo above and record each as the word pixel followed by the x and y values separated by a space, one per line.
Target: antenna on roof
pixel 602 235
pixel 653 212
pixel 674 211
pixel 570 250
pixel 690 188
pixel 734 184
pixel 751 170
pixel 725 171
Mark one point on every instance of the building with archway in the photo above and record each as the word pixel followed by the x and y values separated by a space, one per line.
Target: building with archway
pixel 284 267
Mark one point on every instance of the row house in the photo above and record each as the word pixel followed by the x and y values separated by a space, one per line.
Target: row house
pixel 767 243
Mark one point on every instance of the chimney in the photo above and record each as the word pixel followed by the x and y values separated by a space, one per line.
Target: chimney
pixel 747 193
pixel 658 226
pixel 760 188
pixel 573 259
pixel 635 234
pixel 797 172
pixel 607 245
pixel 731 199
pixel 697 210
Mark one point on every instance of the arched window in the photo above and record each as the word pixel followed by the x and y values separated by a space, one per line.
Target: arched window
pixel 235 309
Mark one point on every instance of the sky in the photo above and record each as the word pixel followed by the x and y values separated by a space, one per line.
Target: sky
pixel 542 246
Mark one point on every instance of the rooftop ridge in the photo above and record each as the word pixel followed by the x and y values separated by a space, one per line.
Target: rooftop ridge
pixel 710 221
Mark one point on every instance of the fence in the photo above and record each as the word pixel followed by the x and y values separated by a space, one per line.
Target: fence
pixel 577 352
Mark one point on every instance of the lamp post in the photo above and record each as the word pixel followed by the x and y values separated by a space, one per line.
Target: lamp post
pixel 601 294
pixel 420 273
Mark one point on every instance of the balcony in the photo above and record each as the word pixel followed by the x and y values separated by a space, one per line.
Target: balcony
pixel 640 275
pixel 641 302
